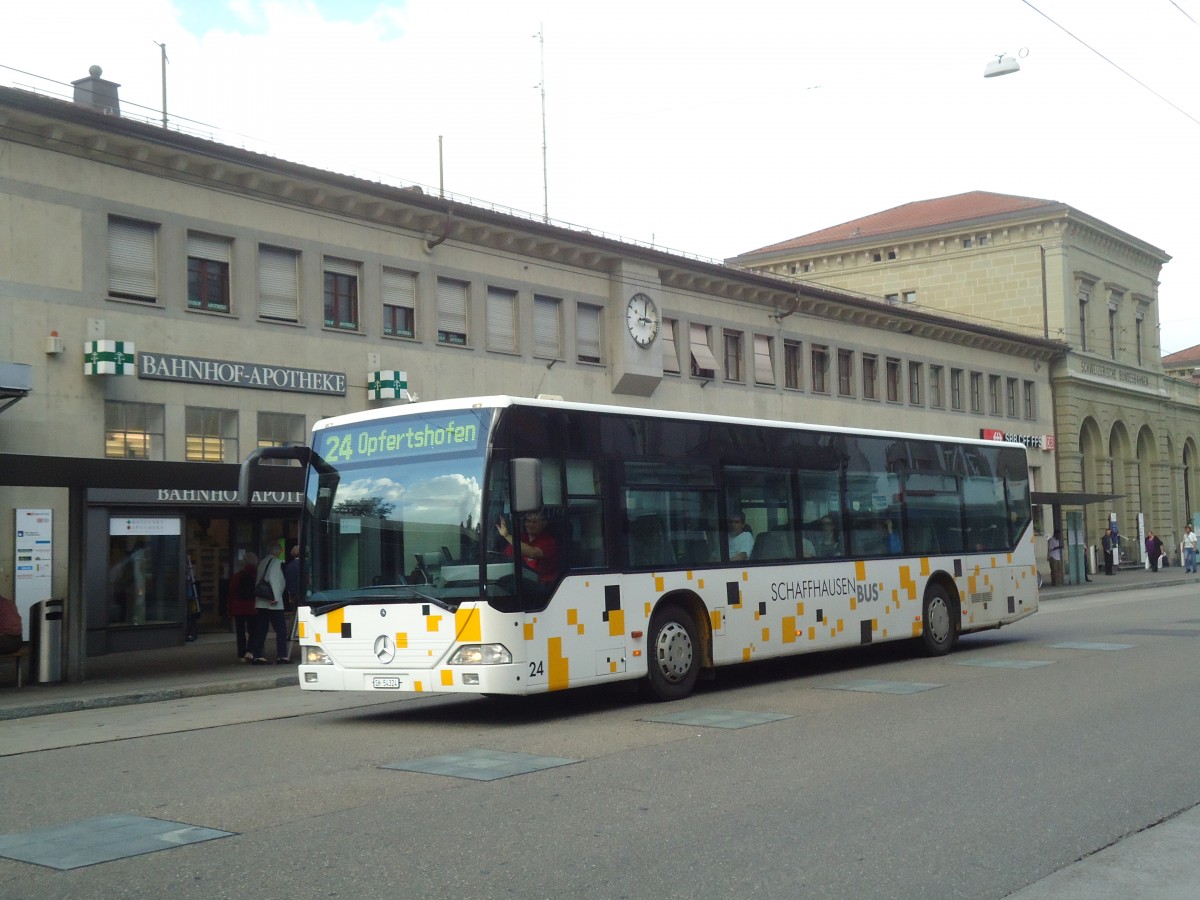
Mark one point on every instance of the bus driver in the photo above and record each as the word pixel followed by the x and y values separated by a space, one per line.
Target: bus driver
pixel 539 550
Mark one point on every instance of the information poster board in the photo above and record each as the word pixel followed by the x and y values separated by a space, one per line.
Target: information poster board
pixel 34 560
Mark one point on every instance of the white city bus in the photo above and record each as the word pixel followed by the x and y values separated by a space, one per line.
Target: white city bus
pixel 858 537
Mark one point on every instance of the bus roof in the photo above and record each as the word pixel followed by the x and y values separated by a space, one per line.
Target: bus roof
pixel 500 401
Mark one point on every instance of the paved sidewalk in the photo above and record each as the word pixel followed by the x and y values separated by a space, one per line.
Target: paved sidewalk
pixel 208 665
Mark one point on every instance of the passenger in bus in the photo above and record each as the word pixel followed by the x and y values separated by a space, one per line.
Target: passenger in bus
pixel 539 550
pixel 828 542
pixel 741 538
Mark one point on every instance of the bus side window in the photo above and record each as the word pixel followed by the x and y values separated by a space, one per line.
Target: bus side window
pixel 649 544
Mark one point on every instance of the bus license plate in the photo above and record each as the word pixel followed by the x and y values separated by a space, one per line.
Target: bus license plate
pixel 389 681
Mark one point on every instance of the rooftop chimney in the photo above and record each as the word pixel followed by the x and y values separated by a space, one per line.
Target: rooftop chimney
pixel 97 93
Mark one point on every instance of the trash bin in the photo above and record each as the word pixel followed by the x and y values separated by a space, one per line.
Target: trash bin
pixel 45 640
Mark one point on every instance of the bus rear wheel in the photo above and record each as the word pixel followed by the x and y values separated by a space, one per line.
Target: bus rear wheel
pixel 674 660
pixel 939 630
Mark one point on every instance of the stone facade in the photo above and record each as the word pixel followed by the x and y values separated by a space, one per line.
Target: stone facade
pixel 1122 424
pixel 261 295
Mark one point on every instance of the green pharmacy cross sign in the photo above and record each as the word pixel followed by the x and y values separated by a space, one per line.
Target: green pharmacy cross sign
pixel 108 358
pixel 387 384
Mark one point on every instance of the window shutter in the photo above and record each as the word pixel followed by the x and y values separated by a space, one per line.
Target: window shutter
pixel 452 311
pixel 670 352
pixel 399 288
pixel 764 367
pixel 546 330
pixel 208 246
pixel 587 332
pixel 341 266
pixel 701 352
pixel 501 319
pixel 132 259
pixel 278 283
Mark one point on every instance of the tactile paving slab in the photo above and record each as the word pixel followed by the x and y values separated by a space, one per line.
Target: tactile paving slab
pixel 101 839
pixel 1086 645
pixel 873 686
pixel 1005 663
pixel 481 765
pixel 716 718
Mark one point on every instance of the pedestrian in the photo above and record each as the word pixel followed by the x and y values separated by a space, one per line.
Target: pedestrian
pixel 291 578
pixel 1108 543
pixel 241 605
pixel 1154 550
pixel 270 608
pixel 1188 545
pixel 10 626
pixel 1054 552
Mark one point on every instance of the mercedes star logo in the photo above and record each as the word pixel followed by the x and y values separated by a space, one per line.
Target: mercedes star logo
pixel 385 649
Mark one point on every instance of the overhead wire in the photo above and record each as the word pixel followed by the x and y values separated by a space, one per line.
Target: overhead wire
pixel 1123 71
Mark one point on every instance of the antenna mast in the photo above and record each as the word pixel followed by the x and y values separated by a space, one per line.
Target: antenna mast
pixel 542 86
pixel 163 48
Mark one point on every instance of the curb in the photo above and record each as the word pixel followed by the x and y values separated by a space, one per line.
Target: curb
pixel 128 699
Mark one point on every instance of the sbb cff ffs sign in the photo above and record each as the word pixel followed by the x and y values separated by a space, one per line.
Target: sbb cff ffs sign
pixel 1032 441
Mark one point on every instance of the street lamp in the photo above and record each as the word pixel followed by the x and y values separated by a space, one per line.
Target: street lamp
pixel 1001 65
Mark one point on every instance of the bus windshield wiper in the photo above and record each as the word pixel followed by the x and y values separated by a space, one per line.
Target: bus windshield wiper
pixel 390 593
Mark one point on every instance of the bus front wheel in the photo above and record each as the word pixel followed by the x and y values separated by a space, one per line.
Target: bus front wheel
pixel 674 653
pixel 939 630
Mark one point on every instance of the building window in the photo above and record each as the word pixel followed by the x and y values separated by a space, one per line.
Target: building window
pixel 1030 407
pixel 132 260
pixel 1012 397
pixel 910 296
pixel 733 355
pixel 764 359
pixel 280 430
pixel 845 373
pixel 1084 297
pixel 793 374
pixel 893 380
pixel 704 364
pixel 547 327
pixel 587 333
pixel 452 312
pixel 208 272
pixel 670 328
pixel 1137 337
pixel 341 294
pixel 1112 331
pixel 399 303
pixel 994 394
pixel 278 284
pixel 935 387
pixel 915 376
pixel 956 386
pixel 819 358
pixel 211 434
pixel 976 392
pixel 133 430
pixel 501 319
pixel 892 298
pixel 870 376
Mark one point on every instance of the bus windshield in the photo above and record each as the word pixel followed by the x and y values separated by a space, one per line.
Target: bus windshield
pixel 394 507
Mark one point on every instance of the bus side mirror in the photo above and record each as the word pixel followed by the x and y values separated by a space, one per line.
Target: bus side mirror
pixel 526 484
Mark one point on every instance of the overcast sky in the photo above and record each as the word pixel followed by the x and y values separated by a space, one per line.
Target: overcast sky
pixel 711 128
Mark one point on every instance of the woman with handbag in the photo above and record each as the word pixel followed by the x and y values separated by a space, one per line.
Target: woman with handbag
pixel 268 594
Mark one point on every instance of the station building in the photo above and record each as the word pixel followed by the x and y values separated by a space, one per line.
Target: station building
pixel 1127 430
pixel 172 303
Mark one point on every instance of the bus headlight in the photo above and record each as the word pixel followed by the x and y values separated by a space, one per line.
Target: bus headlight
pixel 481 655
pixel 312 655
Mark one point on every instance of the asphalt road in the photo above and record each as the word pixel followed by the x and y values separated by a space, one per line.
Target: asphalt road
pixel 1007 761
